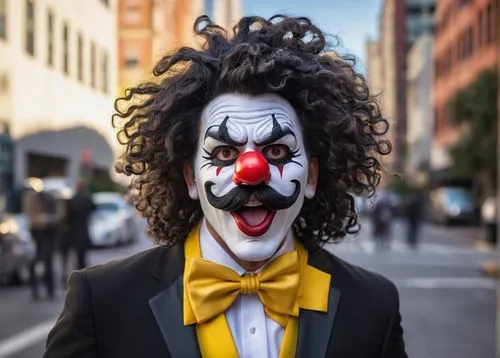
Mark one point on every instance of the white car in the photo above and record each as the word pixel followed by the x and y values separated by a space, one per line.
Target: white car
pixel 113 222
pixel 17 248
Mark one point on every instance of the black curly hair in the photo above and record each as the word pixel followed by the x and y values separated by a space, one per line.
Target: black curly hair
pixel 288 56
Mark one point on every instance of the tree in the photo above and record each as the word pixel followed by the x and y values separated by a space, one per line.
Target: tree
pixel 474 111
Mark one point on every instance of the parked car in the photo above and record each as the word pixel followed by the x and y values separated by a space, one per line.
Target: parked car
pixel 60 187
pixel 17 248
pixel 113 222
pixel 449 205
pixel 363 205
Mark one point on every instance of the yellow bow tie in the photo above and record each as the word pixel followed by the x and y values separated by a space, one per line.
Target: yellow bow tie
pixel 212 288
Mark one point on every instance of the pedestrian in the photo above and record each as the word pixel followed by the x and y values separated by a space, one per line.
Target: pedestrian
pixel 79 210
pixel 382 217
pixel 243 153
pixel 414 209
pixel 41 211
pixel 65 240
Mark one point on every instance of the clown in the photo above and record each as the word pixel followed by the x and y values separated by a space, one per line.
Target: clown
pixel 244 155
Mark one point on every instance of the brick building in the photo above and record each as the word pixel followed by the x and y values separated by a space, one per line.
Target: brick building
pixel 464 46
pixel 147 29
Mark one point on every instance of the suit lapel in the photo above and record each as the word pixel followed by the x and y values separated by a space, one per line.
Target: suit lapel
pixel 167 306
pixel 315 327
pixel 167 309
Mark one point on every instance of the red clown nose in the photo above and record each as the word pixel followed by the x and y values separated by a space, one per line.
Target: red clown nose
pixel 251 168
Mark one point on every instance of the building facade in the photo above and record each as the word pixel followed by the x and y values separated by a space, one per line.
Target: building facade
pixel 57 72
pixel 392 49
pixel 465 46
pixel 374 71
pixel 401 23
pixel 135 40
pixel 420 113
pixel 148 30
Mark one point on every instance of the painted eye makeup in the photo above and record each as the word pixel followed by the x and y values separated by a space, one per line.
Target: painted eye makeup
pixel 222 156
pixel 278 154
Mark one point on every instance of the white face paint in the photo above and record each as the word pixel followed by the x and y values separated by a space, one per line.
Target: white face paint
pixel 249 143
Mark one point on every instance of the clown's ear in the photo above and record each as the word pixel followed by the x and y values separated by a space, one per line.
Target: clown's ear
pixel 312 178
pixel 188 172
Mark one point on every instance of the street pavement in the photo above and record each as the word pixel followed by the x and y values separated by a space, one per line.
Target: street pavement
pixel 447 305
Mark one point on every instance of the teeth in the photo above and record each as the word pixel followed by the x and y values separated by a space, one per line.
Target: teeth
pixel 253 202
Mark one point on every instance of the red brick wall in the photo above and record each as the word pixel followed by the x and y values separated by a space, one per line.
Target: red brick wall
pixel 463 49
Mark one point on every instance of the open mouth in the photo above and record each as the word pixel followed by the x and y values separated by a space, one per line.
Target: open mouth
pixel 253 219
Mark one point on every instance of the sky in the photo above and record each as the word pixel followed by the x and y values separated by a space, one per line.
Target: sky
pixel 353 21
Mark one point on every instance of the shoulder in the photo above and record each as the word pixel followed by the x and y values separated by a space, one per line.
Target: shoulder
pixel 359 274
pixel 356 283
pixel 125 269
pixel 130 282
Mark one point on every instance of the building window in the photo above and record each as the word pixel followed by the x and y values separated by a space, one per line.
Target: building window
pixel 92 66
pixel 414 9
pixel 3 19
pixel 490 29
pixel 480 26
pixel 464 45
pixel 80 57
pixel 449 60
pixel 461 47
pixel 66 48
pixel 104 72
pixel 132 52
pixel 436 120
pixel 4 83
pixel 131 61
pixel 470 41
pixel 50 38
pixel 30 27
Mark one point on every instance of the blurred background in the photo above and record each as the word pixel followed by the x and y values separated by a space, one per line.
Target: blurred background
pixel 432 227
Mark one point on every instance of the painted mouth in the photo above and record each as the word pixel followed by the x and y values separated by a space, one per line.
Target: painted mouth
pixel 253 219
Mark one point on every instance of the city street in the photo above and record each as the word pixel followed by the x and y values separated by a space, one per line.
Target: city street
pixel 448 307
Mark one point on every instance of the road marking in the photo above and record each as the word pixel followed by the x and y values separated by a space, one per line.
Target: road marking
pixel 448 282
pixel 25 339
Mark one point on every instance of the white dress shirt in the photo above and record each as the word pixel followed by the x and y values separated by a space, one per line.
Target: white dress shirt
pixel 254 333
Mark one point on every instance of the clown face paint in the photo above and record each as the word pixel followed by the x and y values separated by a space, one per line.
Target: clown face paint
pixel 251 172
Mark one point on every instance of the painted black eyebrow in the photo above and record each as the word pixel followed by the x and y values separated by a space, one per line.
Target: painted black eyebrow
pixel 276 133
pixel 222 134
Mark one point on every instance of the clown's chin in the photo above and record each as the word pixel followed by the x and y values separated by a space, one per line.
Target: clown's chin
pixel 253 221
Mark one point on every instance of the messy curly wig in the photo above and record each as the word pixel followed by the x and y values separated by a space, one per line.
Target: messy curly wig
pixel 289 56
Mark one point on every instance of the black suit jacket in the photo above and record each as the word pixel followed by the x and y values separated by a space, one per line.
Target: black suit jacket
pixel 133 308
